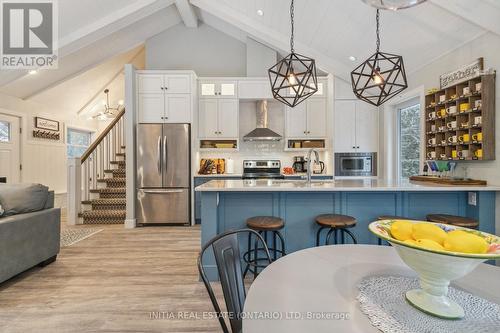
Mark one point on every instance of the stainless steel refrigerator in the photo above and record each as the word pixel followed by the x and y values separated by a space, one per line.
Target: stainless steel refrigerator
pixel 163 173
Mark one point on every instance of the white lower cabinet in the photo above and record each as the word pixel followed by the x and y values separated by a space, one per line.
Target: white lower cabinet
pixel 218 118
pixel 356 127
pixel 308 119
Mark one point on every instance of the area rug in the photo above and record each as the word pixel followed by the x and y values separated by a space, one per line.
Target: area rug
pixel 73 236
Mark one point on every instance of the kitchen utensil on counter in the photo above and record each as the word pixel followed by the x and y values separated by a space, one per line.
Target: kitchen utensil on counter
pixel 230 166
pixel 212 166
pixel 318 167
pixel 299 164
pixel 288 171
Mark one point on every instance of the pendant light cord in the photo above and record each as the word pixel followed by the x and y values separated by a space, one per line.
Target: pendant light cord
pixel 291 21
pixel 378 29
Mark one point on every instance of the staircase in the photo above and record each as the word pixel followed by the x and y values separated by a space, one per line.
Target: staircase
pixel 103 177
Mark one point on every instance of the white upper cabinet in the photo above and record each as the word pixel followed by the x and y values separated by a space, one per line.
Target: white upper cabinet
pixel 308 119
pixel 356 127
pixel 218 118
pixel 218 89
pixel 322 84
pixel 254 89
pixel 164 98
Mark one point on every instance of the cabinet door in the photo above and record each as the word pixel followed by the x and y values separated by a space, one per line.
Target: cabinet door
pixel 296 121
pixel 208 89
pixel 254 89
pixel 345 126
pixel 178 108
pixel 150 83
pixel 228 118
pixel 178 84
pixel 366 127
pixel 316 117
pixel 207 119
pixel 151 108
pixel 227 89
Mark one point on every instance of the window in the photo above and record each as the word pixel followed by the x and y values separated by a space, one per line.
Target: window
pixel 409 138
pixel 77 142
pixel 4 131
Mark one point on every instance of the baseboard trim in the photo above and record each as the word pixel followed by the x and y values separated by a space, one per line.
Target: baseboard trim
pixel 130 223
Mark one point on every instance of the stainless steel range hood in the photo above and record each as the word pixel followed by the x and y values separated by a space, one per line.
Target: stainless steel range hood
pixel 262 132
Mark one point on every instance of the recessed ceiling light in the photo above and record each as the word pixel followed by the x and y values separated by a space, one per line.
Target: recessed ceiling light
pixel 352 58
pixel 260 12
pixel 33 72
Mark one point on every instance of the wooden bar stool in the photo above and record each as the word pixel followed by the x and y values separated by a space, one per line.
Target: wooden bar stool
pixel 458 221
pixel 336 223
pixel 263 225
pixel 392 217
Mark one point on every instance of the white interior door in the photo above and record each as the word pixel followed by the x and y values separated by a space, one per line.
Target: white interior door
pixel 10 151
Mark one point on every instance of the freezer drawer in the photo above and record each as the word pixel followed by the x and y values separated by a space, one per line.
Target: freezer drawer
pixel 169 205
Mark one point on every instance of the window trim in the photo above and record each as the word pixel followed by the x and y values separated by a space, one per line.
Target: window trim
pixel 398 107
pixel 78 129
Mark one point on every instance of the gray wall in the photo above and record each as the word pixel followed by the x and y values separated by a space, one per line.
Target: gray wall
pixel 205 50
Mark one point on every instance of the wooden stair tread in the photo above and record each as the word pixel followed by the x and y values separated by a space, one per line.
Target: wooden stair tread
pixel 103 214
pixel 120 154
pixel 117 162
pixel 109 190
pixel 107 201
pixel 112 180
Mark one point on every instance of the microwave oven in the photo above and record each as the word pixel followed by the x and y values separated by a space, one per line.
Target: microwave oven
pixel 356 164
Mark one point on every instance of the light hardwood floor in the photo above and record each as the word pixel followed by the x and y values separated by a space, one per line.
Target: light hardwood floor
pixel 111 282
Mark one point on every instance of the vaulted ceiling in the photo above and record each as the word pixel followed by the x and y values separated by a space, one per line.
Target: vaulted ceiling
pixel 100 36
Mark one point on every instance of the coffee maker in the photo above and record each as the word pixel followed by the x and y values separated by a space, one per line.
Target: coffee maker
pixel 299 164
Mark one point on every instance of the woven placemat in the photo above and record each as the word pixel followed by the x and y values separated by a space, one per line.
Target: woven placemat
pixel 382 299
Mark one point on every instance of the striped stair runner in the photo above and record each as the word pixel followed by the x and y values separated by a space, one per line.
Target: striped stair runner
pixel 108 205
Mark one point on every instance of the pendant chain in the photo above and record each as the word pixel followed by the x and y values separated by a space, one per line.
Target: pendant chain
pixel 291 20
pixel 378 29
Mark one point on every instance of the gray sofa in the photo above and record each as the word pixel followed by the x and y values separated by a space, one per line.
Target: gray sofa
pixel 29 228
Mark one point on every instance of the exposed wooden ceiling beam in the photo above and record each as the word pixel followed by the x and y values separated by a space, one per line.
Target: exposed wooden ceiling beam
pixel 187 13
pixel 484 14
pixel 271 37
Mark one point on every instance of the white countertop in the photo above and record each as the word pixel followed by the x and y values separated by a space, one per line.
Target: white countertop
pixel 227 175
pixel 247 185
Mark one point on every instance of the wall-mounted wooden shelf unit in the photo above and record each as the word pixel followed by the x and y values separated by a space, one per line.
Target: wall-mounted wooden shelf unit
pixel 460 125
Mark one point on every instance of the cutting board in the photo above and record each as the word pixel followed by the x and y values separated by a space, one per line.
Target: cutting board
pixel 448 181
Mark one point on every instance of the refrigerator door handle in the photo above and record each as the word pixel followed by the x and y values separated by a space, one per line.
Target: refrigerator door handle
pixel 162 191
pixel 165 151
pixel 158 154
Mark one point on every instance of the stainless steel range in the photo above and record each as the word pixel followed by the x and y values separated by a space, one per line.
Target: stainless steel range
pixel 262 169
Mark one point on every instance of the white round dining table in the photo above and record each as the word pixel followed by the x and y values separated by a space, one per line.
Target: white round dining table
pixel 315 290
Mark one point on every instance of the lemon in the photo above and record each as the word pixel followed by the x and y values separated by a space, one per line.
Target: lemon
pixel 411 242
pixel 401 230
pixel 466 242
pixel 429 244
pixel 428 231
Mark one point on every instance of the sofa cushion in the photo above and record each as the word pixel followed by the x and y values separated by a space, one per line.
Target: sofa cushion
pixel 22 198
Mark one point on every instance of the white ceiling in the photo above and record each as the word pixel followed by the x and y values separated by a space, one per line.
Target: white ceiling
pixel 97 36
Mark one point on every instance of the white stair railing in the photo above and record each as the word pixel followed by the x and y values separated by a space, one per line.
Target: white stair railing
pixel 83 172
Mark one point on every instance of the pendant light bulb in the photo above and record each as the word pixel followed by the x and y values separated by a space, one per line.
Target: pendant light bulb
pixel 292 79
pixel 377 78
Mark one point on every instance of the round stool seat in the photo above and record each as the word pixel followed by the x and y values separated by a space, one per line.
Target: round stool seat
pixel 335 221
pixel 265 223
pixel 458 221
pixel 393 217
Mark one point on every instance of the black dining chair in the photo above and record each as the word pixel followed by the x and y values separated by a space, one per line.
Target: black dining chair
pixel 228 260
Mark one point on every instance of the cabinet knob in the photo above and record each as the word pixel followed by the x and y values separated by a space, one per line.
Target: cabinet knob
pixel 161 88
pixel 166 88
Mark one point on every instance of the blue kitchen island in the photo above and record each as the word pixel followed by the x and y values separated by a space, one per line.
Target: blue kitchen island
pixel 226 204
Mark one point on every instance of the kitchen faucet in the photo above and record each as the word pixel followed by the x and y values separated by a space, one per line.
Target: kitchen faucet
pixel 316 160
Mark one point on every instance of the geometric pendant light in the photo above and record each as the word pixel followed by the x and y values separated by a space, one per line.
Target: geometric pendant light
pixel 293 79
pixel 381 77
